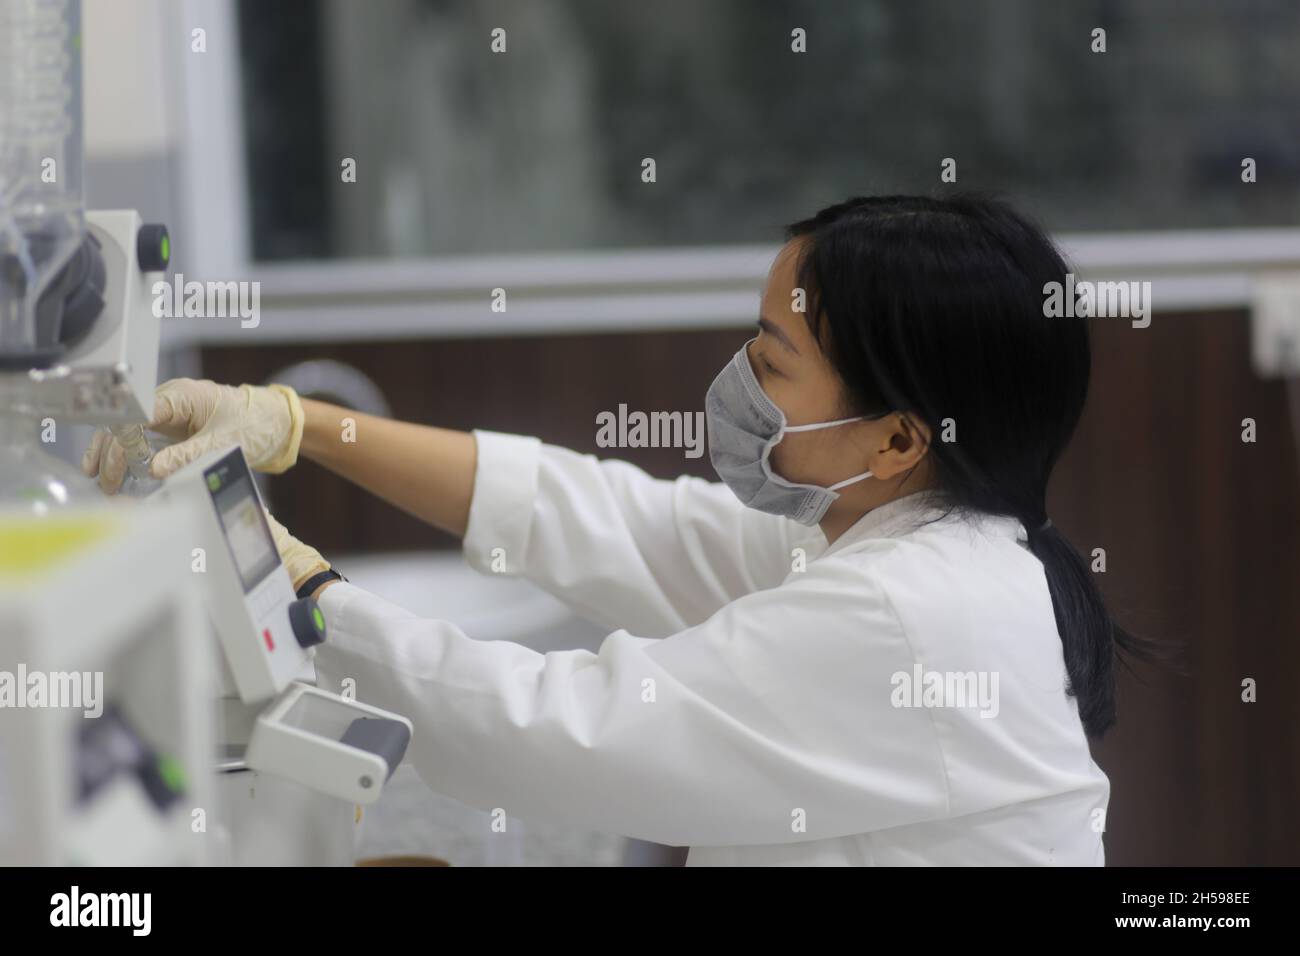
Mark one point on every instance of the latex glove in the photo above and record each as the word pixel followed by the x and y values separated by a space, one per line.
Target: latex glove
pixel 300 560
pixel 200 415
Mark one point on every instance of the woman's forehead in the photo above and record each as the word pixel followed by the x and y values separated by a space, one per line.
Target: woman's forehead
pixel 786 263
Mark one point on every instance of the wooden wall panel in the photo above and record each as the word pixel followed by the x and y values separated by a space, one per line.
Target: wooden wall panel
pixel 1202 537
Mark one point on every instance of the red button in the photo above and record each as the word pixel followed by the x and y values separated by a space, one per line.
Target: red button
pixel 266 634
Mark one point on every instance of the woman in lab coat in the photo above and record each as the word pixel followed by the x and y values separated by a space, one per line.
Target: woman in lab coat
pixel 867 645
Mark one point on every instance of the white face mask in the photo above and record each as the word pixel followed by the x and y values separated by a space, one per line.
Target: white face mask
pixel 744 425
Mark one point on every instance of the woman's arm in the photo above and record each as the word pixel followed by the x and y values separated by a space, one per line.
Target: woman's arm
pixel 604 537
pixel 713 736
pixel 617 546
pixel 427 472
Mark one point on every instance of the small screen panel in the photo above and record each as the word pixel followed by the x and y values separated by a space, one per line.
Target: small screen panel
pixel 240 512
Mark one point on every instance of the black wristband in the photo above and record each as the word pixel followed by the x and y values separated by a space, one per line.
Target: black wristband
pixel 316 580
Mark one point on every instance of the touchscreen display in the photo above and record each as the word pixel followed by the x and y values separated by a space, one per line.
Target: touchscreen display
pixel 240 511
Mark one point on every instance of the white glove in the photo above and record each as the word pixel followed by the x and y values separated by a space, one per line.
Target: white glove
pixel 266 421
pixel 300 560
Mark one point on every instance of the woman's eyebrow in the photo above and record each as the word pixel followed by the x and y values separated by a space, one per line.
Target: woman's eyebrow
pixel 774 330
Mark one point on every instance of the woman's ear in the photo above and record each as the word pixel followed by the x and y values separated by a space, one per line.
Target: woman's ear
pixel 919 431
pixel 903 442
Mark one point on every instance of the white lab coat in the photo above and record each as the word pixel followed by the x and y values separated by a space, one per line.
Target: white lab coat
pixel 742 708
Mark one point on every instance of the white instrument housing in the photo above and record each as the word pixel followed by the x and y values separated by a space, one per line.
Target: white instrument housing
pixel 333 745
pixel 248 587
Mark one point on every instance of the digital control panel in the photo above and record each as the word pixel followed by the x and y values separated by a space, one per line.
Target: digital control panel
pixel 267 637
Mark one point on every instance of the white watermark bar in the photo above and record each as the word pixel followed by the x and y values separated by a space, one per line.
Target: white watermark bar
pixel 635 429
pixel 63 690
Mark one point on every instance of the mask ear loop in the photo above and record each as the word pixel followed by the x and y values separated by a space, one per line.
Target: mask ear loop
pixel 848 481
pixel 818 425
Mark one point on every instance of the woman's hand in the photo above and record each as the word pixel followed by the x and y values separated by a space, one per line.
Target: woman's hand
pixel 302 561
pixel 266 421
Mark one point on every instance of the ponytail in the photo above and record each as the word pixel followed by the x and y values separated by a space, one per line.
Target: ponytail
pixel 1088 635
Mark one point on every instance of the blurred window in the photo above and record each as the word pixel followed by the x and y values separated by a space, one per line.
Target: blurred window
pixel 462 151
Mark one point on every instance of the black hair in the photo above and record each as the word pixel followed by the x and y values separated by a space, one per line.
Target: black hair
pixel 935 306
